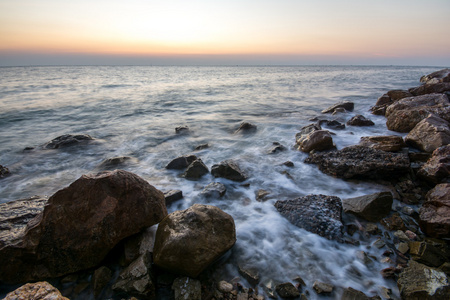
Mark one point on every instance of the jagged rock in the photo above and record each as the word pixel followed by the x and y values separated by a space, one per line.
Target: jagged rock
pixel 139 244
pixel 388 143
pixel 396 95
pixel 276 147
pixel 427 254
pixel 372 207
pixel 360 120
pixel 251 275
pixel 114 162
pixel 186 288
pixel 181 162
pixel 429 134
pixel 384 100
pixel 318 214
pixel 393 222
pixel 4 171
pixel 437 168
pixel 317 140
pixel 196 170
pixel 80 224
pixel 347 105
pixel 228 169
pixel 224 287
pixel 188 241
pixel 288 163
pixel 214 190
pixel 100 279
pixel 287 290
pixel 246 127
pixel 361 162
pixel 352 294
pixel 36 291
pixel 332 124
pixel 182 130
pixel 68 140
pixel 421 282
pixel 305 130
pixel 322 288
pixel 439 87
pixel 440 75
pixel 172 196
pixel 201 147
pixel 434 214
pixel 262 195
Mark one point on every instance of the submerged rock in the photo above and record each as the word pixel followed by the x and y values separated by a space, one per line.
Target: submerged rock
pixel 388 143
pixel 346 105
pixel 322 287
pixel 318 214
pixel 114 162
pixel 214 189
pixel 437 168
pixel 181 162
pixel 228 169
pixel 188 241
pixel 36 291
pixel 182 130
pixel 287 290
pixel 68 140
pixel 360 120
pixel 4 171
pixel 372 207
pixel 276 147
pixel 429 134
pixel 246 127
pixel 435 212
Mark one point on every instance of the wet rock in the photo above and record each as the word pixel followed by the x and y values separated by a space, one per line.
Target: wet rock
pixel 224 287
pixel 262 195
pixel 317 140
pixel 181 162
pixel 347 105
pixel 360 120
pixel 289 164
pixel 318 214
pixel 276 147
pixel 421 282
pixel 228 169
pixel 80 224
pixel 100 279
pixel 305 130
pixel 196 170
pixel 390 273
pixel 339 110
pixel 352 294
pixel 287 290
pixel 384 99
pixel 388 143
pixel 372 229
pixel 427 254
pixel 188 241
pixel 36 291
pixel 187 288
pixel 439 87
pixel 361 162
pixel 172 196
pixel 394 222
pixel 379 243
pixel 250 274
pixel 4 171
pixel 322 288
pixel 363 258
pixel 182 130
pixel 114 162
pixel 402 248
pixel 434 215
pixel 437 168
pixel 214 190
pixel 396 95
pixel 379 110
pixel 440 75
pixel 334 124
pixel 429 134
pixel 246 127
pixel 68 140
pixel 201 147
pixel 372 207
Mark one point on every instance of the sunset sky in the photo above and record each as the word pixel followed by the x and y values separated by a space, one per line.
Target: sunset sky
pixel 150 32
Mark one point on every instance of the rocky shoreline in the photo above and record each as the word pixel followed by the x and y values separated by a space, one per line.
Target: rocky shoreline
pixel 97 237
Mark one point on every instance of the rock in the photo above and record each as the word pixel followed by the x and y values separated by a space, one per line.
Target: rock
pixel 287 290
pixel 136 279
pixel 137 245
pixel 434 215
pixel 262 195
pixel 318 214
pixel 427 254
pixel 228 169
pixel 188 241
pixel 379 110
pixel 429 134
pixel 322 288
pixel 214 190
pixel 394 222
pixel 181 162
pixel 363 258
pixel 201 147
pixel 186 288
pixel 388 143
pixel 276 147
pixel 372 228
pixel 100 279
pixel 372 207
pixel 196 170
pixel 347 105
pixel 360 120
pixel 439 87
pixel 339 110
pixel 305 130
pixel 36 291
pixel 361 162
pixel 182 130
pixel 390 273
pixel 403 115
pixel 68 140
pixel 403 248
pixel 384 100
pixel 4 171
pixel 289 164
pixel 224 287
pixel 172 196
pixel 352 294
pixel 421 282
pixel 441 74
pixel 114 162
pixel 334 124
pixel 396 95
pixel 317 140
pixel 437 168
pixel 246 127
pixel 80 224
pixel 250 274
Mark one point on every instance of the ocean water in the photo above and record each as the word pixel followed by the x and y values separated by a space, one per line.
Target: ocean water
pixel 133 111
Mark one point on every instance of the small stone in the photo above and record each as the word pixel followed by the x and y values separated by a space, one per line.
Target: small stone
pixel 379 243
pixel 261 195
pixel 363 257
pixel 181 162
pixel 372 229
pixel 287 290
pixel 214 190
pixel 288 163
pixel 401 236
pixel 394 222
pixel 276 147
pixel 403 248
pixel 345 105
pixel 246 127
pixel 360 120
pixel 251 275
pixel 201 147
pixel 4 171
pixel 182 130
pixel 411 235
pixel 225 287
pixel 172 196
pixel 322 288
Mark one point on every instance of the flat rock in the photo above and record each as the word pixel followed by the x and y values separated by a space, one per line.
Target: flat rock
pixel 396 95
pixel 114 162
pixel 360 120
pixel 182 130
pixel 437 168
pixel 36 291
pixel 434 215
pixel 388 143
pixel 429 134
pixel 322 287
pixel 181 162
pixel 372 207
pixel 361 162
pixel 346 105
pixel 352 294
pixel 228 169
pixel 318 214
pixel 68 140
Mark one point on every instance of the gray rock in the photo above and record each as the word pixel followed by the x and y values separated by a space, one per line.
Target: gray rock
pixel 181 162
pixel 323 288
pixel 334 124
pixel 437 168
pixel 434 215
pixel 224 287
pixel 228 169
pixel 172 196
pixel 347 105
pixel 214 190
pixel 114 162
pixel 250 274
pixel 352 294
pixel 196 170
pixel 68 140
pixel 441 74
pixel 372 207
pixel 201 147
pixel 429 134
pixel 182 130
pixel 436 87
pixel 4 171
pixel 276 147
pixel 287 290
pixel 360 120
pixel 246 127
pixel 186 288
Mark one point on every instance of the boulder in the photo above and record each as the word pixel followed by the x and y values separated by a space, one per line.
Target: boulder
pixel 318 214
pixel 388 143
pixel 418 281
pixel 214 190
pixel 347 105
pixel 439 87
pixel 396 95
pixel 360 120
pixel 317 140
pixel 100 279
pixel 322 287
pixel 80 224
pixel 372 207
pixel 228 169
pixel 36 291
pixel 384 100
pixel 246 127
pixel 181 162
pixel 4 171
pixel 361 162
pixel 188 241
pixel 287 290
pixel 196 170
pixel 429 134
pixel 440 75
pixel 334 124
pixel 68 140
pixel 172 196
pixel 352 294
pixel 186 288
pixel 437 168
pixel 434 214
pixel 427 254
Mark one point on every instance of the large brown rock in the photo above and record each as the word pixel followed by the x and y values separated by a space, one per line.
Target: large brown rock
pixel 80 224
pixel 360 120
pixel 435 212
pixel 36 291
pixel 389 143
pixel 372 207
pixel 440 87
pixel 361 162
pixel 439 75
pixel 316 140
pixel 437 168
pixel 429 134
pixel 68 140
pixel 188 241
pixel 396 95
pixel 346 105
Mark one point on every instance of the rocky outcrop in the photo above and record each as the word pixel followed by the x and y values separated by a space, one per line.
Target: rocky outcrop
pixel 439 87
pixel 68 140
pixel 372 207
pixel 246 127
pixel 429 134
pixel 318 214
pixel 196 170
pixel 36 291
pixel 435 212
pixel 388 143
pixel 228 169
pixel 437 168
pixel 181 162
pixel 361 162
pixel 436 77
pixel 316 140
pixel 80 224
pixel 360 120
pixel 346 105
pixel 188 241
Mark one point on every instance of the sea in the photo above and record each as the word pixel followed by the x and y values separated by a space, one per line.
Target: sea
pixel 133 111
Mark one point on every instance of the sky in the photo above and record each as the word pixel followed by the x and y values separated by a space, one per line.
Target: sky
pixel 213 32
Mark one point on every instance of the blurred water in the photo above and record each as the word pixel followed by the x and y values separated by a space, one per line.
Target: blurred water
pixel 133 111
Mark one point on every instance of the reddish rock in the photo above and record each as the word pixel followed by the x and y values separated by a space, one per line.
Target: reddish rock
pixel 36 291
pixel 389 143
pixel 429 134
pixel 437 168
pixel 435 212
